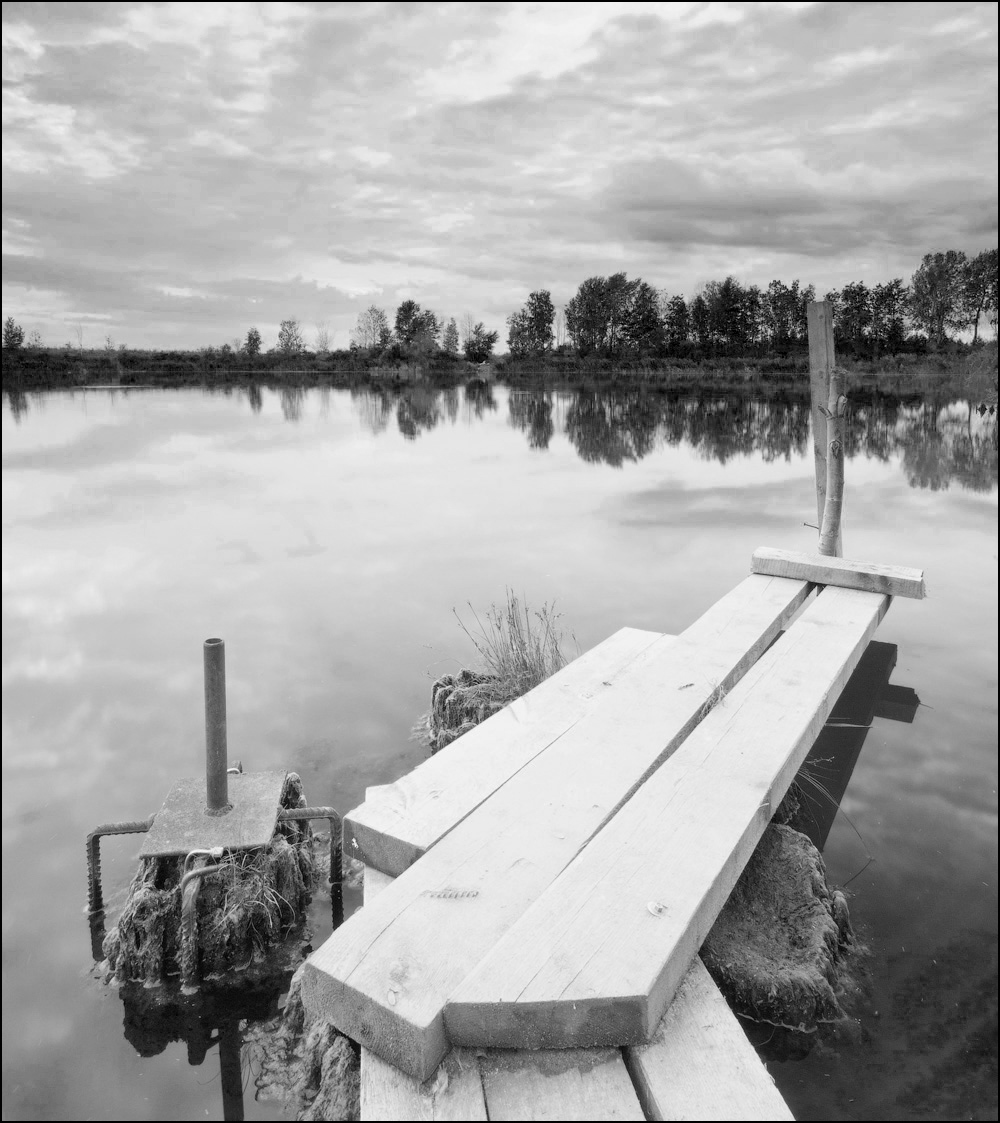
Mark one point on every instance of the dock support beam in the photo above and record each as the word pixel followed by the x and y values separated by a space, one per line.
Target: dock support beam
pixel 826 390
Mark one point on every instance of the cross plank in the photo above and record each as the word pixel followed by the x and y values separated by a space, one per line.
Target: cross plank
pixel 598 956
pixel 562 1084
pixel 892 580
pixel 398 822
pixel 699 1063
pixel 383 977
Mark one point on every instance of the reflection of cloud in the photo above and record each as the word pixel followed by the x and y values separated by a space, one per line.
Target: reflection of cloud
pixel 772 505
pixel 308 159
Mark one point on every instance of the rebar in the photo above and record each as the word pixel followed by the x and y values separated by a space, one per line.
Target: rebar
pixel 95 896
pixel 336 852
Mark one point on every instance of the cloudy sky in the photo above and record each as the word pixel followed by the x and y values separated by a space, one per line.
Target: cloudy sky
pixel 173 174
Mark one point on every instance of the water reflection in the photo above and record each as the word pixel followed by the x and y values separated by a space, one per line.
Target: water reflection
pixel 938 443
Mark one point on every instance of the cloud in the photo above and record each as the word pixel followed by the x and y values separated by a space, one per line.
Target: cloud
pixel 188 170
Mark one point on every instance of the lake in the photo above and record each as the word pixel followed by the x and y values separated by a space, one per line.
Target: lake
pixel 331 537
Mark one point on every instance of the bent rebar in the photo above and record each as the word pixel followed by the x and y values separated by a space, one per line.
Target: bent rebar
pixel 336 852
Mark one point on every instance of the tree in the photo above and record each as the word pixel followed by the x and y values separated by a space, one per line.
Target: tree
pixel 34 340
pixel 979 281
pixel 372 329
pixel 415 326
pixel 936 294
pixel 449 341
pixel 531 327
pixel 888 311
pixel 13 334
pixel 251 346
pixel 479 344
pixel 290 341
pixel 322 338
pixel 676 323
pixel 853 318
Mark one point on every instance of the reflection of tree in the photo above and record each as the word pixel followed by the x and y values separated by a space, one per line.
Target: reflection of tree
pixel 292 398
pixel 18 403
pixel 374 408
pixel 939 448
pixel 613 426
pixel 531 412
pixel 730 427
pixel 254 397
pixel 418 408
pixel 479 397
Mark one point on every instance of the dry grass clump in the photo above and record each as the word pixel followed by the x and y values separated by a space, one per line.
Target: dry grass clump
pixel 518 648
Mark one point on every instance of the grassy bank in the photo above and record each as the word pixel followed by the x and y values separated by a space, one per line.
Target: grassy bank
pixel 960 372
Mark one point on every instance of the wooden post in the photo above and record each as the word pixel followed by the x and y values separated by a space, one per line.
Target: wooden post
pixel 822 364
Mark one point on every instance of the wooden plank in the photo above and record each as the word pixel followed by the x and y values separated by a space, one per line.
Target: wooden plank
pixel 598 956
pixel 568 1084
pixel 891 580
pixel 384 976
pixel 455 1091
pixel 587 1084
pixel 699 1063
pixel 399 822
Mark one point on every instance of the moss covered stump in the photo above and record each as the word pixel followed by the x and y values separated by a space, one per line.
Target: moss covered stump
pixel 780 949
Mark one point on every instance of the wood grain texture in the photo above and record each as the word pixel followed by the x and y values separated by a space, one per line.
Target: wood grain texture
pixel 586 1084
pixel 398 822
pixel 699 1063
pixel 383 977
pixel 598 956
pixel 891 580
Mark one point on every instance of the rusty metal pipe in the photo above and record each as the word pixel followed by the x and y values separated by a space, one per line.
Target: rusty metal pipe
pixel 216 765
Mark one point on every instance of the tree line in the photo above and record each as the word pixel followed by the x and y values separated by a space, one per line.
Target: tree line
pixel 623 319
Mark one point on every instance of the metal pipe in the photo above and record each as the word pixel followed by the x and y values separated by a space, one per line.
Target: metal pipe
pixel 217 781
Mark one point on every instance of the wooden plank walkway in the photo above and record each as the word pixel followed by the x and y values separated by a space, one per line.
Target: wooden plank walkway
pixel 563 892
pixel 698 1065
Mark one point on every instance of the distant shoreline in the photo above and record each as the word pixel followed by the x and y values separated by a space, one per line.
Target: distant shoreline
pixel 963 372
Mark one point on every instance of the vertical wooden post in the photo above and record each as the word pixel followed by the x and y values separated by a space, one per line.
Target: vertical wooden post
pixel 822 362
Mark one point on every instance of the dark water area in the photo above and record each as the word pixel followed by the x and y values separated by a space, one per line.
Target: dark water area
pixel 328 536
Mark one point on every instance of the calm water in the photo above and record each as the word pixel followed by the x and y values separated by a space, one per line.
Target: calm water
pixel 328 536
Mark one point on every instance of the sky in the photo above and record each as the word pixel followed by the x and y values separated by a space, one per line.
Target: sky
pixel 174 174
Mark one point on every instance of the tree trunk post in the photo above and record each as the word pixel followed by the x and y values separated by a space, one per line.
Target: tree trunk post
pixel 826 389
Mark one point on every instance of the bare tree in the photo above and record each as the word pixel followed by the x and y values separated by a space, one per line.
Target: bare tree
pixel 290 341
pixel 78 332
pixel 468 327
pixel 322 338
pixel 372 329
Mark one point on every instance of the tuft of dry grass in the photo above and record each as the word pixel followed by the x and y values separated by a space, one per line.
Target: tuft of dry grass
pixel 518 648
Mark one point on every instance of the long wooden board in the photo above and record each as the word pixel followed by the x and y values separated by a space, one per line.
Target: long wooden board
pixel 892 580
pixel 383 977
pixel 455 1091
pixel 398 822
pixel 699 1063
pixel 598 956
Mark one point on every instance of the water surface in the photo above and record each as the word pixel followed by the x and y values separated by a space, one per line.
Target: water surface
pixel 328 536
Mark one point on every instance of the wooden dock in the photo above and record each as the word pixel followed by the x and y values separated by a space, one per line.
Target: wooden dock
pixel 536 893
